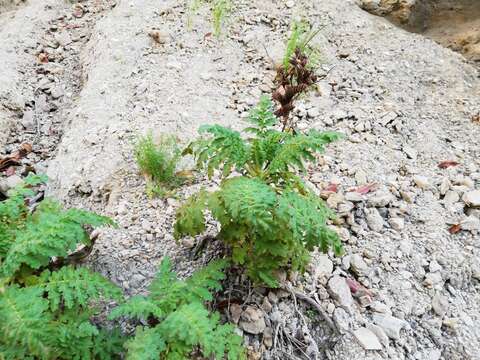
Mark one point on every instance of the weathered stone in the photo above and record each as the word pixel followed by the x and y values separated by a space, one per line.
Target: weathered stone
pixel 397 223
pixel 391 325
pixel 340 292
pixel 421 182
pixel 472 198
pixel 374 219
pixel 358 265
pixel 367 339
pixel 440 304
pixel 252 321
pixel 9 183
pixel 323 266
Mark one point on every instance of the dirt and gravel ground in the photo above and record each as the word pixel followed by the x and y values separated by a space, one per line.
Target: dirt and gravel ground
pixel 80 80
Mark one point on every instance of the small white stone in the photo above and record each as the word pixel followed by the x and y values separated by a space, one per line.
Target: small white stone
pixel 367 339
pixel 323 266
pixel 472 198
pixel 374 219
pixel 421 182
pixel 440 304
pixel 391 325
pixel 339 291
pixel 397 223
pixel 358 265
pixel 470 223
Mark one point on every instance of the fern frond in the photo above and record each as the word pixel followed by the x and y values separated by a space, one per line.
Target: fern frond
pixel 306 217
pixel 167 292
pixel 190 326
pixel 249 201
pixel 225 150
pixel 299 148
pixel 49 232
pixel 76 287
pixel 146 345
pixel 75 340
pixel 262 116
pixel 137 307
pixel 190 219
pixel 108 344
pixel 25 323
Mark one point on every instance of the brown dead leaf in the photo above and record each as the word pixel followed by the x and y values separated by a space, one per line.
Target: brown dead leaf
pixel 42 58
pixel 14 158
pixel 476 118
pixel 447 163
pixel 455 229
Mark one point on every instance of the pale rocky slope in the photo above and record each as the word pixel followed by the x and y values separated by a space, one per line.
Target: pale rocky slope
pixel 404 103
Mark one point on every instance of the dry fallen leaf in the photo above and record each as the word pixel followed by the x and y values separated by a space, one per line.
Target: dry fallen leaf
pixel 476 118
pixel 365 189
pixel 331 187
pixel 447 163
pixel 455 229
pixel 15 157
pixel 42 58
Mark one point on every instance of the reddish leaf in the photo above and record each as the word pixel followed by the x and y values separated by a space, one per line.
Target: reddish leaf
pixel 331 187
pixel 455 229
pixel 447 163
pixel 357 289
pixel 365 189
pixel 207 35
pixel 353 285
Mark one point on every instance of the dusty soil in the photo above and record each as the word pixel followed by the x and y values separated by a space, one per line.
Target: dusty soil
pixel 404 103
pixel 454 24
pixel 456 27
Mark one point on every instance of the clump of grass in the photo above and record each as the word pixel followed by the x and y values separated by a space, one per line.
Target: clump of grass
pixel 158 163
pixel 302 34
pixel 220 10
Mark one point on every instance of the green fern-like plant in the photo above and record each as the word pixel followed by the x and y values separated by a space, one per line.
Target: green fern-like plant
pixel 45 314
pixel 183 324
pixel 269 218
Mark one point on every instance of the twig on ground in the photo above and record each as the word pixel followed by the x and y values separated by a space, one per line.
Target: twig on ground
pixel 317 307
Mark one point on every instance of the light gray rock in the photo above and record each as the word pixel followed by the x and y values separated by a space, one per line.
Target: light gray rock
pixel 9 183
pixel 382 337
pixel 340 292
pixel 323 266
pixel 374 219
pixel 440 304
pixel 380 200
pixel 421 182
pixel 252 321
pixel 472 198
pixel 470 223
pixel 397 223
pixel 391 325
pixel 354 197
pixel 358 265
pixel 367 339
